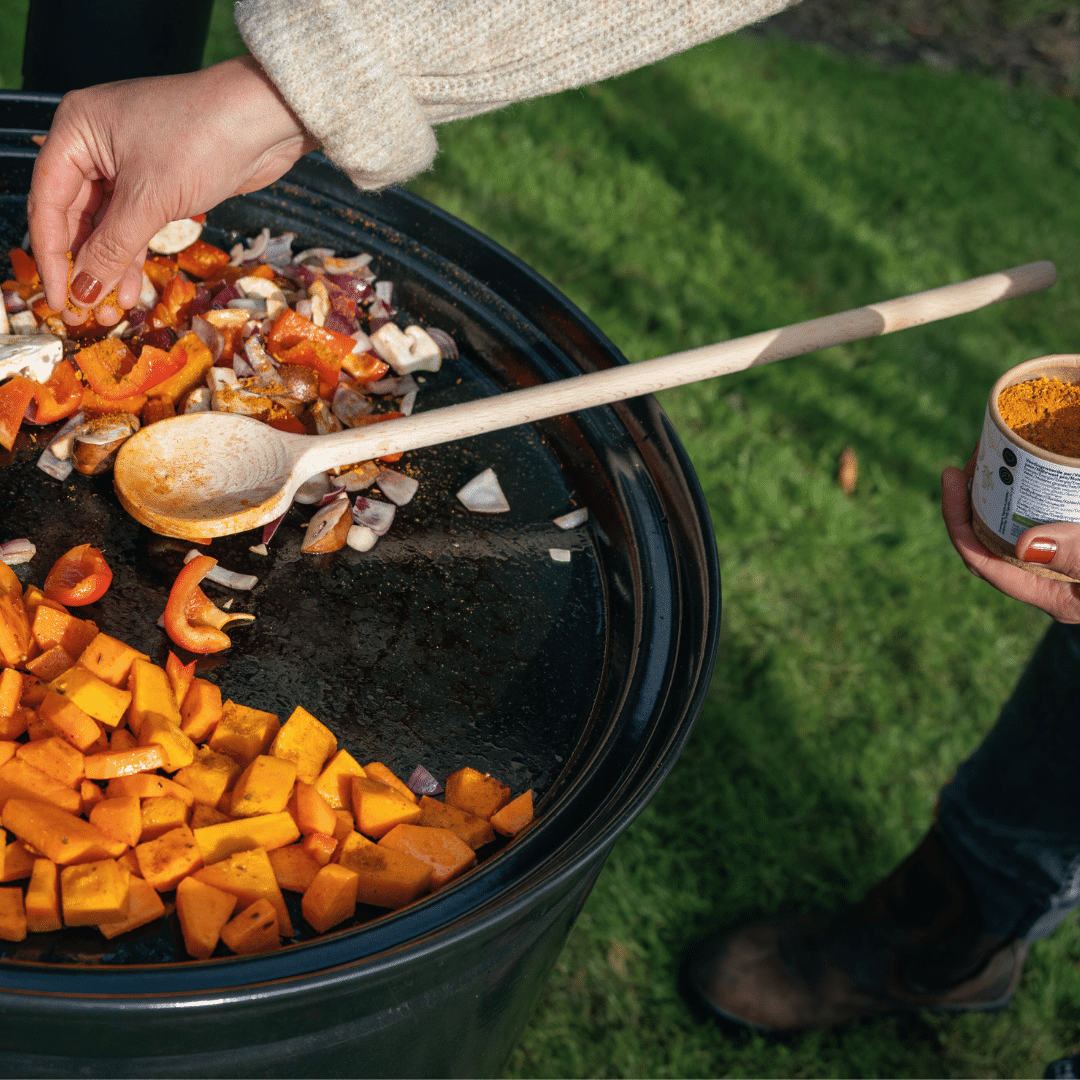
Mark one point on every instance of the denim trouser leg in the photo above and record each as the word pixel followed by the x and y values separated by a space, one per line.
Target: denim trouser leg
pixel 1011 817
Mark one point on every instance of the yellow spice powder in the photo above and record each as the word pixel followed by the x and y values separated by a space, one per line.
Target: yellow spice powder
pixel 1046 412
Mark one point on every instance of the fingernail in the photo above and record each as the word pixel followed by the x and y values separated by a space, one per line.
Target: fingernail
pixel 84 288
pixel 1040 550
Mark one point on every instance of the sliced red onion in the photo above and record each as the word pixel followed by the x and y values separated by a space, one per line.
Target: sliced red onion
pixel 377 516
pixel 378 310
pixel 13 303
pixel 408 403
pixel 54 466
pixel 315 254
pixel 308 276
pixel 269 529
pixel 224 295
pixel 423 783
pixel 384 290
pixel 483 495
pixel 377 323
pixel 358 478
pixel 256 247
pixel 312 490
pixel 397 487
pixel 349 406
pixel 15 552
pixel 325 521
pixel 361 538
pixel 352 287
pixel 236 254
pixel 163 338
pixel 242 368
pixel 257 356
pixel 256 305
pixel 202 301
pixel 292 274
pixel 447 346
pixel 339 324
pixel 573 519
pixel 392 384
pixel 346 266
pixel 258 549
pixel 63 442
pixel 278 249
pixel 363 342
pixel 229 578
pixel 303 307
pixel 559 554
pixel 136 317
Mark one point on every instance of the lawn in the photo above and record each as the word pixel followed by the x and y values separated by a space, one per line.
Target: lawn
pixel 748 184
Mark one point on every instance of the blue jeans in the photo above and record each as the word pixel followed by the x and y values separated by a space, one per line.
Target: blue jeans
pixel 1011 817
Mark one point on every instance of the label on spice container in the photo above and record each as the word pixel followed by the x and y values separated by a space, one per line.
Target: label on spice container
pixel 1013 490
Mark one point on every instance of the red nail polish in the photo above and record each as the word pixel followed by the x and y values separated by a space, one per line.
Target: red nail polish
pixel 84 288
pixel 1040 550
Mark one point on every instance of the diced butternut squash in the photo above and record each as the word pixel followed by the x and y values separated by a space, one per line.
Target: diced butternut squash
pixel 91 795
pixel 162 815
pixel 68 720
pixel 330 898
pixel 58 835
pixel 254 930
pixel 313 812
pixel 294 868
pixel 122 739
pixel 320 846
pixel 12 915
pixel 51 627
pixel 200 710
pixel 477 792
pixel 378 808
pixel 439 848
pixel 110 660
pixel 514 816
pixel 56 758
pixel 18 862
pixel 203 815
pixel 385 877
pixel 475 831
pixel 15 724
pixel 158 730
pixel 15 638
pixel 244 733
pixel 268 831
pixel 11 686
pixel 170 857
pixel 43 898
pixel 376 770
pixel 148 786
pixel 50 664
pixel 209 775
pixel 94 892
pixel 130 861
pixel 249 876
pixel 263 787
pixel 334 783
pixel 94 696
pixel 20 780
pixel 306 742
pixel 151 694
pixel 144 906
pixel 8 750
pixel 345 823
pixel 112 764
pixel 119 818
pixel 203 912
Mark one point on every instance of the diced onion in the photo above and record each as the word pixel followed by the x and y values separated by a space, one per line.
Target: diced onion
pixel 229 578
pixel 269 529
pixel 376 515
pixel 17 551
pixel 447 346
pixel 423 783
pixel 259 549
pixel 483 495
pixel 559 554
pixel 361 538
pixel 397 487
pixel 573 519
pixel 408 403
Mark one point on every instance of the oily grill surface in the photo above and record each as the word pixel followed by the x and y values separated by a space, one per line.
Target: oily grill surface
pixel 456 641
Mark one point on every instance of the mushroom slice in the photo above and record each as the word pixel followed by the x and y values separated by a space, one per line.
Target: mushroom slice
pixel 96 441
pixel 355 477
pixel 32 357
pixel 406 350
pixel 172 238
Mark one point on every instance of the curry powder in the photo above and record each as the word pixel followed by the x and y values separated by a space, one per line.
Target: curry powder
pixel 1046 412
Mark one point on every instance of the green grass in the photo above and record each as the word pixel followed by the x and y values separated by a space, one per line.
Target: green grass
pixel 745 185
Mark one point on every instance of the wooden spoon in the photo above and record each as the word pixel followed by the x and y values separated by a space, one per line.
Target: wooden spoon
pixel 213 473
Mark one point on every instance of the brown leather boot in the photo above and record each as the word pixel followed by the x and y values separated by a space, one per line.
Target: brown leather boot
pixel 916 941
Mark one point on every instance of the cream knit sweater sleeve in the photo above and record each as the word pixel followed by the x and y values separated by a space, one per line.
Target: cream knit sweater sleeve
pixel 368 78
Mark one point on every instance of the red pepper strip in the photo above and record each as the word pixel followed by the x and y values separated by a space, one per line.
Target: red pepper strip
pixel 290 328
pixel 202 260
pixel 79 577
pixel 15 396
pixel 113 373
pixel 192 620
pixel 181 676
pixel 58 398
pixel 26 271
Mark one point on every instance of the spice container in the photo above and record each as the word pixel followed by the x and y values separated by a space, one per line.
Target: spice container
pixel 1018 484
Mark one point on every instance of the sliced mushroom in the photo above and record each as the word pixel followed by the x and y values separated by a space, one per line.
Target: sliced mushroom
pixel 320 302
pixel 175 236
pixel 406 350
pixel 96 441
pixel 355 477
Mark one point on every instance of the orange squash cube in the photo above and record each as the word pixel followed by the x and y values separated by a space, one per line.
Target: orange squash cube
pixel 320 847
pixel 477 792
pixel 110 660
pixel 331 898
pixel 334 783
pixel 475 831
pixel 168 858
pixel 158 730
pixel 43 898
pixel 161 815
pixel 294 868
pixel 122 739
pixel 51 664
pixel 15 639
pixel 19 780
pixel 267 831
pixel 254 930
pixel 58 835
pixel 11 687
pixel 249 876
pixel 68 720
pixel 148 786
pixel 376 770
pixel 378 808
pixel 144 906
pixel 119 818
pixel 306 742
pixel 114 764
pixel 91 795
pixel 385 878
pixel 95 697
pixel 244 733
pixel 345 824
pixel 51 628
pixel 209 776
pixel 439 848
pixel 514 816
pixel 151 694
pixel 200 710
pixel 18 863
pixel 313 812
pixel 55 757
pixel 94 892
pixel 203 912
pixel 203 815
pixel 16 723
pixel 12 915
pixel 263 787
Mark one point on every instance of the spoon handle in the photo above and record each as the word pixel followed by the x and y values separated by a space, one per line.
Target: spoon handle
pixel 614 384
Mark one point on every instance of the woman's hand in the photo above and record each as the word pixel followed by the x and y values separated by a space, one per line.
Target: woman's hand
pixel 123 159
pixel 1056 546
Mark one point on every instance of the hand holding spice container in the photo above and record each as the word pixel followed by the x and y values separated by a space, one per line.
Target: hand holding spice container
pixel 1028 469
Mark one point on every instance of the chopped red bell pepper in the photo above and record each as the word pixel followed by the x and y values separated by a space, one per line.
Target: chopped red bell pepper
pixel 364 367
pixel 317 356
pixel 290 328
pixel 114 374
pixel 201 259
pixel 159 270
pixel 177 298
pixel 192 620
pixel 287 422
pixel 181 676
pixel 60 396
pixel 79 577
pixel 26 271
pixel 15 397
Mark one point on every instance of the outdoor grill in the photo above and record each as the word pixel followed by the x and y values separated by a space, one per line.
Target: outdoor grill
pixel 456 641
